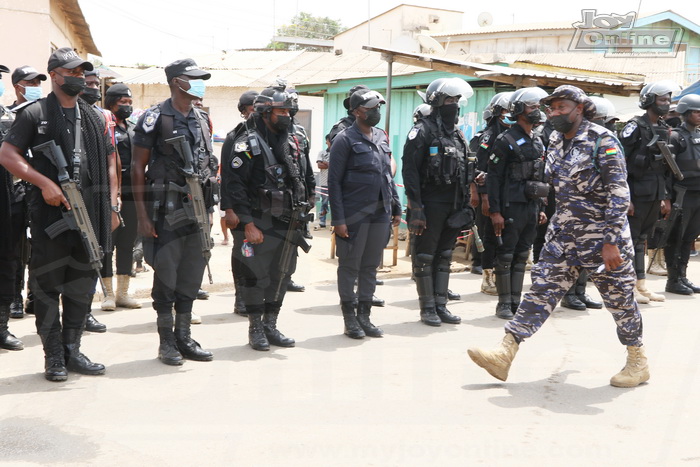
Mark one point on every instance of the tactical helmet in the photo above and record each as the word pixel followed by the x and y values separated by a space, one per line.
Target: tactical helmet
pixel 246 99
pixel 651 91
pixel 688 103
pixel 422 111
pixel 272 97
pixel 604 109
pixel 442 88
pixel 500 102
pixel 294 96
pixel 524 97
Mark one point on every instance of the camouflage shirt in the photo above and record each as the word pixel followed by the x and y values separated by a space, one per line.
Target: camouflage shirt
pixel 589 176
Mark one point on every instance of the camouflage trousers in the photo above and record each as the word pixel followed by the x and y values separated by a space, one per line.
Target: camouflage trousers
pixel 560 264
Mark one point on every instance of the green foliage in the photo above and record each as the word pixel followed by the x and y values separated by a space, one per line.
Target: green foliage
pixel 307 26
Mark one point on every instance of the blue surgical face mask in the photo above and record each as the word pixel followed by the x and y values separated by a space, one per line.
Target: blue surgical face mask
pixel 508 121
pixel 32 93
pixel 196 89
pixel 2 88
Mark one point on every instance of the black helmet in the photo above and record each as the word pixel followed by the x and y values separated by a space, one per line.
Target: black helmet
pixel 346 101
pixel 524 97
pixel 442 88
pixel 271 98
pixel 499 103
pixel 246 99
pixel 604 109
pixel 688 103
pixel 423 110
pixel 651 91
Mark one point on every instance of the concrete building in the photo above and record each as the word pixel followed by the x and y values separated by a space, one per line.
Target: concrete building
pixel 41 26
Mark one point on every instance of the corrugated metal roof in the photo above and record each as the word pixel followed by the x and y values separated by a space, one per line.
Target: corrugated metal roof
pixel 74 16
pixel 552 25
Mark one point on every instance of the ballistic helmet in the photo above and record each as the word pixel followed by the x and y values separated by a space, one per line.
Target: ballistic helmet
pixel 442 88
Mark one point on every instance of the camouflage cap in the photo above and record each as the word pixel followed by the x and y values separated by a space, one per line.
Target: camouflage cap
pixel 572 93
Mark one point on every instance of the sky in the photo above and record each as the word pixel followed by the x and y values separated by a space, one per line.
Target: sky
pixel 157 32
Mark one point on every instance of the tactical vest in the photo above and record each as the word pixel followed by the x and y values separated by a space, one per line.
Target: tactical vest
pixel 6 119
pixel 689 160
pixel 446 162
pixel 649 158
pixel 525 169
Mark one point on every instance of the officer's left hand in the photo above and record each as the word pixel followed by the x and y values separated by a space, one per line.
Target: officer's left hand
pixel 611 257
pixel 480 179
pixel 231 219
pixel 395 220
pixel 543 218
pixel 665 208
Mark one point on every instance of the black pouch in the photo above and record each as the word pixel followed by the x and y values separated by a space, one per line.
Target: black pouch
pixel 464 218
pixel 535 190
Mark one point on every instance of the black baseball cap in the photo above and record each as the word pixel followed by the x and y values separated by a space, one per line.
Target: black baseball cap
pixel 353 90
pixel 4 69
pixel 186 67
pixel 26 73
pixel 119 89
pixel 365 98
pixel 65 57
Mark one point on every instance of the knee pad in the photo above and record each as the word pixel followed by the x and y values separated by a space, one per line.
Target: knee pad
pixel 521 261
pixel 422 264
pixel 503 263
pixel 444 260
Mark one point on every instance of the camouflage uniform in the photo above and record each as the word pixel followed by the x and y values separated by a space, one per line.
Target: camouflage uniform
pixel 592 197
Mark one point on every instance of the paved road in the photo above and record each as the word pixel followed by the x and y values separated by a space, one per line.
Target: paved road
pixel 410 398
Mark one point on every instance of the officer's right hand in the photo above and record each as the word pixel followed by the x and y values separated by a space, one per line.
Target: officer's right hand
pixel 630 210
pixel 146 227
pixel 231 219
pixel 53 195
pixel 498 223
pixel 253 234
pixel 341 231
pixel 485 205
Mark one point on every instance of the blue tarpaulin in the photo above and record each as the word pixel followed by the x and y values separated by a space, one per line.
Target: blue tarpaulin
pixel 692 89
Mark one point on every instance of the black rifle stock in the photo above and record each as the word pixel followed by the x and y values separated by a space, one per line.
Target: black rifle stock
pixel 670 159
pixel 293 237
pixel 194 205
pixel 665 226
pixel 76 218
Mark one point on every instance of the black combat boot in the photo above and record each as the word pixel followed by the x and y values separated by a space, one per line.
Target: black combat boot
pixel 445 315
pixel 352 327
pixel 684 279
pixel 188 347
pixel 451 296
pixel 17 308
pixel 674 284
pixel 167 350
pixel 75 360
pixel 571 300
pixel 256 332
pixel 54 357
pixel 92 325
pixel 423 275
pixel 364 309
pixel 7 340
pixel 29 304
pixel 580 288
pixel 504 308
pixel 274 336
pixel 239 304
pixel 441 279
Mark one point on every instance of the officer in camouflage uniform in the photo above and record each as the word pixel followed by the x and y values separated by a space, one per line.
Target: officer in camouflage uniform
pixel 589 231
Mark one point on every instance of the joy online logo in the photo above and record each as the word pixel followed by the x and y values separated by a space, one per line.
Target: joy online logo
pixel 616 34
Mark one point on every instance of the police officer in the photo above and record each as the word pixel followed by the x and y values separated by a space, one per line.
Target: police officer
pixel 649 177
pixel 436 180
pixel 686 143
pixel 246 108
pixel 118 101
pixel 515 188
pixel 60 265
pixel 589 231
pixel 263 184
pixel 364 202
pixel 171 241
pixel 498 123
pixel 349 119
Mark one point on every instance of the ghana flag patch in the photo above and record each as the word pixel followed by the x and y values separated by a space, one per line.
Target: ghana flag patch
pixel 611 151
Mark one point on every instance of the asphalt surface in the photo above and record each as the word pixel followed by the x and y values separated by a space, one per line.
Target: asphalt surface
pixel 410 398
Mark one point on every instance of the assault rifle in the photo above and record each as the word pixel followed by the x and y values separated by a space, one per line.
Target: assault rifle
pixel 76 218
pixel 193 201
pixel 294 237
pixel 669 158
pixel 665 226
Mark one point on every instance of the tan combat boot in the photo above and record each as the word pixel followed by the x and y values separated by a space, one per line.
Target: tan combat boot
pixel 641 299
pixel 642 289
pixel 658 265
pixel 108 301
pixel 122 298
pixel 635 372
pixel 496 362
pixel 488 283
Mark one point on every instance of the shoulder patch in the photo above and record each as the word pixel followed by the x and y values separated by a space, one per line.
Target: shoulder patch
pixel 520 142
pixel 241 146
pixel 236 162
pixel 149 120
pixel 413 133
pixel 494 158
pixel 629 129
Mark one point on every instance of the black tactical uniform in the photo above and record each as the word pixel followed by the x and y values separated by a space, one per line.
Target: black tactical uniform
pixel 516 159
pixel 349 119
pixel 436 176
pixel 264 179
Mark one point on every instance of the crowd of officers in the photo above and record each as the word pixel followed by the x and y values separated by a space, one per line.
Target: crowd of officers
pixel 613 197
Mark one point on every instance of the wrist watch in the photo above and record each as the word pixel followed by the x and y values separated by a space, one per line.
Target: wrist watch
pixel 115 208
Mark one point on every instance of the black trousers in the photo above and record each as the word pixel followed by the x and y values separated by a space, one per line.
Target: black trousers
pixel 519 235
pixel 59 267
pixel 684 233
pixel 260 272
pixel 178 267
pixel 360 254
pixel 646 213
pixel 123 239
pixel 11 259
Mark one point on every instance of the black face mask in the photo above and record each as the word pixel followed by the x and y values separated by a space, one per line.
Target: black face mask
pixel 90 95
pixel 533 117
pixel 372 116
pixel 72 85
pixel 449 113
pixel 661 110
pixel 124 112
pixel 561 123
pixel 282 124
